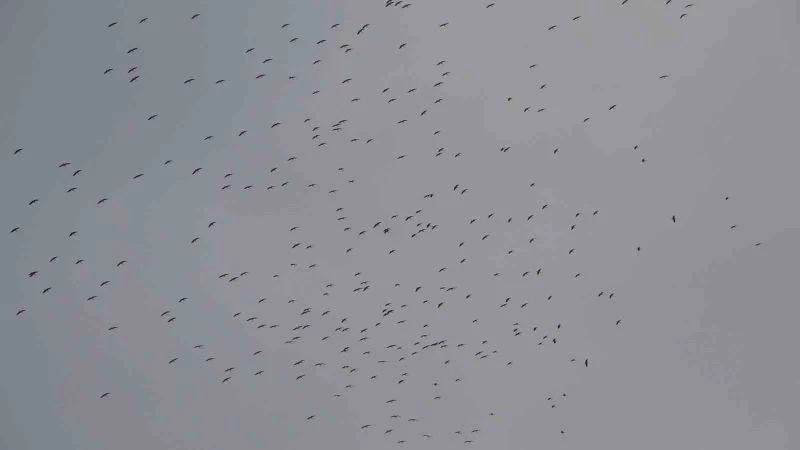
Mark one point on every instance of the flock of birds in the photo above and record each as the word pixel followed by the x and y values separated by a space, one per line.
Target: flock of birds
pixel 357 349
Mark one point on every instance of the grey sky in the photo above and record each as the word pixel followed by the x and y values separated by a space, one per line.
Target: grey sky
pixel 703 357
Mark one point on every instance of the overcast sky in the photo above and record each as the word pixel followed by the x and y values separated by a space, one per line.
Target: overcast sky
pixel 694 349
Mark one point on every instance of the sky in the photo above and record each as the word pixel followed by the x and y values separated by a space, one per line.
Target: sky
pixel 677 131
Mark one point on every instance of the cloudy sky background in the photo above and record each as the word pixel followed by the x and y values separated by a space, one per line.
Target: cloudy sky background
pixel 703 357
